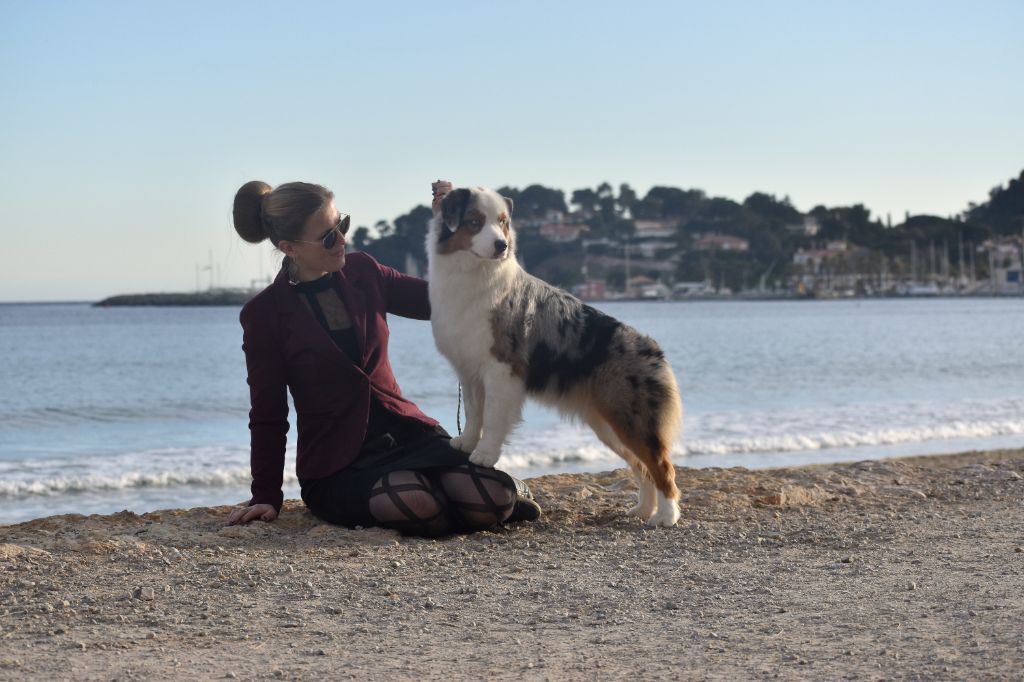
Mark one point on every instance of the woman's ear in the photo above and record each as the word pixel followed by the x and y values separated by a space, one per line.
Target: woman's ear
pixel 286 247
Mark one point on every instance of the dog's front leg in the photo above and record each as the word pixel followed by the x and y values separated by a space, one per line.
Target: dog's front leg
pixel 504 395
pixel 473 397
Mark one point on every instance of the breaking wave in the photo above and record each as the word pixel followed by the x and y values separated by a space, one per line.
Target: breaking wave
pixel 853 439
pixel 710 440
pixel 202 467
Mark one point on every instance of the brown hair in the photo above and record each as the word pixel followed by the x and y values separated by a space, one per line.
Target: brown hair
pixel 280 213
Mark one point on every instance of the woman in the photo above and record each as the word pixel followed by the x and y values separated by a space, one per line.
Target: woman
pixel 366 456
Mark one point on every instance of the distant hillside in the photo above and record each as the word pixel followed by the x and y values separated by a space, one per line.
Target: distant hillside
pixel 673 235
pixel 732 244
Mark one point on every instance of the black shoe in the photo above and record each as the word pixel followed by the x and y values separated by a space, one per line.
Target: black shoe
pixel 526 508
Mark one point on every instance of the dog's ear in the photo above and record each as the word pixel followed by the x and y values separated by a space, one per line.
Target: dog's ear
pixel 453 207
pixel 508 202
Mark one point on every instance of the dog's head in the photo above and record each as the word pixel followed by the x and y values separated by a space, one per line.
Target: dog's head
pixel 478 221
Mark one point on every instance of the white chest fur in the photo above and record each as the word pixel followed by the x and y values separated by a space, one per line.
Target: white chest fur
pixel 462 298
pixel 459 318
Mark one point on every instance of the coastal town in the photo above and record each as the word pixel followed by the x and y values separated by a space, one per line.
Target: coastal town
pixel 604 244
pixel 643 264
pixel 608 244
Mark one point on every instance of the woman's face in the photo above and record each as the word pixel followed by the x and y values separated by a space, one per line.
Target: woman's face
pixel 308 252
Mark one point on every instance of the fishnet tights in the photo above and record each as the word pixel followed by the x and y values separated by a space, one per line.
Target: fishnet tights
pixel 463 499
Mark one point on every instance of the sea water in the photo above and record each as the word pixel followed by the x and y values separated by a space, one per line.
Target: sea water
pixel 104 409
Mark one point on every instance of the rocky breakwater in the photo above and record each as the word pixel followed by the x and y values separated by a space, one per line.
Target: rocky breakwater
pixel 234 297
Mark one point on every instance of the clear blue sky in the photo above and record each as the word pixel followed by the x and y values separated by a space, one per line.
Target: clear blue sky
pixel 126 127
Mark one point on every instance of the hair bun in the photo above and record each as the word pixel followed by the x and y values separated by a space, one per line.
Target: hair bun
pixel 248 211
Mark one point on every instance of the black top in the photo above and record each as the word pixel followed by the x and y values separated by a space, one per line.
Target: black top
pixel 344 337
pixel 325 302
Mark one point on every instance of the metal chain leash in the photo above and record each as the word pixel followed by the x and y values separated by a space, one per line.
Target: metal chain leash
pixel 458 411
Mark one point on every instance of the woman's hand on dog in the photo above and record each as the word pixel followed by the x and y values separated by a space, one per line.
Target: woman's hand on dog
pixel 439 189
pixel 263 512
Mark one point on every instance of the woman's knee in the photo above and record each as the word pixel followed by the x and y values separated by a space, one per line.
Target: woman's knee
pixel 479 497
pixel 407 501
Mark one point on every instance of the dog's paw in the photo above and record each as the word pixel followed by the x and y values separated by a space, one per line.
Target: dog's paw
pixel 646 503
pixel 462 443
pixel 641 511
pixel 484 458
pixel 666 516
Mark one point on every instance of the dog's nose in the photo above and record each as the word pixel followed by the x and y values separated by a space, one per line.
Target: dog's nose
pixel 499 246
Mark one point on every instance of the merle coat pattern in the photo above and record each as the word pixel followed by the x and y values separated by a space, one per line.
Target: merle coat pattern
pixel 509 335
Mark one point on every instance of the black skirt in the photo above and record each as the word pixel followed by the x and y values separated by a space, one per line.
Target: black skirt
pixel 343 498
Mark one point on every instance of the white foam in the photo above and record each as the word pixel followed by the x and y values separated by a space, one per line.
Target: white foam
pixel 853 439
pixel 852 426
pixel 55 485
pixel 727 434
pixel 204 467
pixel 558 446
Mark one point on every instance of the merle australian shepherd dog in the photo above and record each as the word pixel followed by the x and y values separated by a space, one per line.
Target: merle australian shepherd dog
pixel 508 335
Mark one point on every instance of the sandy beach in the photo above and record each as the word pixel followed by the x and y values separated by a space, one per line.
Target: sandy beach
pixel 906 569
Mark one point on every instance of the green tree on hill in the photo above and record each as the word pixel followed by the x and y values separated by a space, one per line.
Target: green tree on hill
pixel 586 200
pixel 781 213
pixel 1004 210
pixel 534 201
pixel 625 201
pixel 669 202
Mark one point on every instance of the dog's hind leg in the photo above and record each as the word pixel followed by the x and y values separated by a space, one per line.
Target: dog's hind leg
pixel 646 501
pixel 473 397
pixel 659 463
pixel 503 398
pixel 652 453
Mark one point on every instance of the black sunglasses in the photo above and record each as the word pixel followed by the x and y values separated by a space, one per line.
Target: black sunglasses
pixel 331 238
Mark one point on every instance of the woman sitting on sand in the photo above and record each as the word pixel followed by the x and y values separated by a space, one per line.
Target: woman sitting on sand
pixel 366 456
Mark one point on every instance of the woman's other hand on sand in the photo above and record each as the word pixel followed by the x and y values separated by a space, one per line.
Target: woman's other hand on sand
pixel 439 188
pixel 263 512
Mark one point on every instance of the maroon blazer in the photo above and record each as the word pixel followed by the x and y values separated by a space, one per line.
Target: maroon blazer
pixel 285 346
